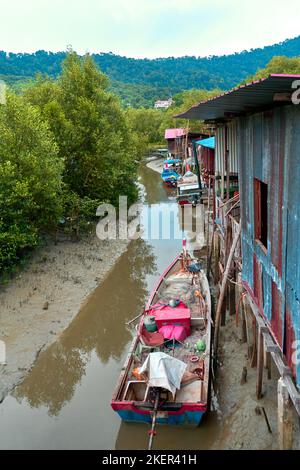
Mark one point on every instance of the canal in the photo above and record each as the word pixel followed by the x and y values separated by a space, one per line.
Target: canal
pixel 64 403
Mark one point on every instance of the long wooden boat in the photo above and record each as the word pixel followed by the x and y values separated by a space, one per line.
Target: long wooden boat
pixel 133 399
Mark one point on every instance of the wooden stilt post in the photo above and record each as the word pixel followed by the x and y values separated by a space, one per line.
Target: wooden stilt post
pixel 260 364
pixel 285 417
pixel 231 295
pixel 216 257
pixel 239 300
pixel 224 308
pixel 268 364
pixel 223 288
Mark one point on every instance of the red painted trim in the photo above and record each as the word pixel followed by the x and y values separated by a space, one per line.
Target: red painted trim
pixel 284 75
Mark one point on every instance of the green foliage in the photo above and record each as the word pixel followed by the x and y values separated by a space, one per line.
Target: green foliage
pixel 66 146
pixel 139 82
pixel 150 124
pixel 79 213
pixel 30 175
pixel 91 130
pixel 182 102
pixel 139 95
pixel 278 64
pixel 146 124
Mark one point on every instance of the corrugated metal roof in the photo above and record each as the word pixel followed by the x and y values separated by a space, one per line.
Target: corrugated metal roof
pixel 209 143
pixel 174 133
pixel 243 99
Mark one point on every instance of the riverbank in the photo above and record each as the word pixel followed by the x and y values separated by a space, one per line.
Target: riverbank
pixel 42 300
pixel 156 165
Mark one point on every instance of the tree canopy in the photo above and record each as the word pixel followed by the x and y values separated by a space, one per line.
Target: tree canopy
pixel 66 146
pixel 30 174
pixel 278 64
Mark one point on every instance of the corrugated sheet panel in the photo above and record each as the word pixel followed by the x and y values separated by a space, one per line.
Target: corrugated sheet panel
pixel 232 147
pixel 220 151
pixel 269 150
pixel 232 144
pixel 292 200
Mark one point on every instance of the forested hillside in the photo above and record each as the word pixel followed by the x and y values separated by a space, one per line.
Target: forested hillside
pixel 139 82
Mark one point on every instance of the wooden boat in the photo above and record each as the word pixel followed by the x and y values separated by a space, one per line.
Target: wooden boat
pixel 133 399
pixel 188 192
pixel 169 177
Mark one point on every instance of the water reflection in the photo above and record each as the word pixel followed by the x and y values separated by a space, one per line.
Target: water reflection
pixel 99 327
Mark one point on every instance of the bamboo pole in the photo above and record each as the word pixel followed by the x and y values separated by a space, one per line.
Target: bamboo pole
pixel 223 288
pixel 153 426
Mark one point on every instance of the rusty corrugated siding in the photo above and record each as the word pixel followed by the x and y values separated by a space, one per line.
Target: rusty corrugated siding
pixel 268 146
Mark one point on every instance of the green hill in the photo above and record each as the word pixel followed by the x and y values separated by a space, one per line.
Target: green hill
pixel 140 81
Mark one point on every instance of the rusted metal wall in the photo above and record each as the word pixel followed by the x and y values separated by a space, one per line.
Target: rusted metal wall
pixel 268 147
pixel 206 157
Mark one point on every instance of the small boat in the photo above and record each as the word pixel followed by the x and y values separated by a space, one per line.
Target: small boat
pixel 173 163
pixel 169 177
pixel 188 191
pixel 167 370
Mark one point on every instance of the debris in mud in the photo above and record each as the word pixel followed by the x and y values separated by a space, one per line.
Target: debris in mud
pixel 46 305
pixel 244 376
pixel 257 411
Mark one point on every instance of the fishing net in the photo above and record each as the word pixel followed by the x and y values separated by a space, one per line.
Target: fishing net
pixel 178 286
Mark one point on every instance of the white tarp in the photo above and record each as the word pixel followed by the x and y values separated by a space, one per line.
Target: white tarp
pixel 163 371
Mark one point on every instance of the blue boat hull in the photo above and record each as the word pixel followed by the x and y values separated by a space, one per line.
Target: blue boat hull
pixel 188 418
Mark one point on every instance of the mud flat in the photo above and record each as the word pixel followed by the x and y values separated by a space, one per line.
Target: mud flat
pixel 156 165
pixel 244 425
pixel 42 300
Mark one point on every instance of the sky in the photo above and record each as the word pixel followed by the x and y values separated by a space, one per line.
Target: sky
pixel 146 28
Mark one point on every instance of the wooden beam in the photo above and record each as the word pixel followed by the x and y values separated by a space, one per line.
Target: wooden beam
pixel 268 364
pixel 285 417
pixel 223 288
pixel 282 368
pixel 293 392
pixel 276 354
pixel 260 364
pixel 216 257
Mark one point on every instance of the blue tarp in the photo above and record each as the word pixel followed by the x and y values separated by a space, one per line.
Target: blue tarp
pixel 171 161
pixel 209 143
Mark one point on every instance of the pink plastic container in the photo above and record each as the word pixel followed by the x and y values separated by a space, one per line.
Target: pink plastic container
pixel 173 332
pixel 178 316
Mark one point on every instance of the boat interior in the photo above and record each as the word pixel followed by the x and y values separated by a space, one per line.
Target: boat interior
pixel 180 310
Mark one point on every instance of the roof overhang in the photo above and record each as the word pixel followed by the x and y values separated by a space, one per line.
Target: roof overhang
pixel 273 91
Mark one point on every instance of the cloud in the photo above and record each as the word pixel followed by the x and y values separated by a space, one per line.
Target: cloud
pixel 146 28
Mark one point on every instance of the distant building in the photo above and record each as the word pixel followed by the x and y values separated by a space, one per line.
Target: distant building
pixel 163 104
pixel 180 142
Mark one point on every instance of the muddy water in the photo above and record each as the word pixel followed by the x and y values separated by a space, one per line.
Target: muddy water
pixel 64 403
